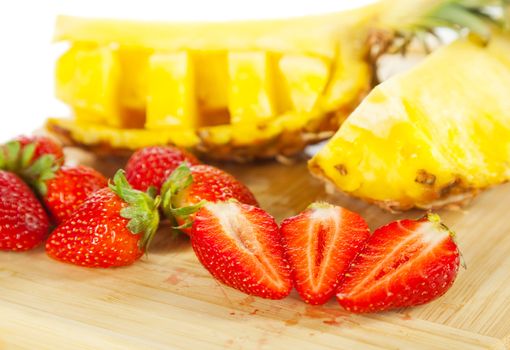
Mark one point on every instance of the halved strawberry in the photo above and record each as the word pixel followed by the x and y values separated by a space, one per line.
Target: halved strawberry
pixel 405 263
pixel 151 166
pixel 241 246
pixel 187 189
pixel 320 243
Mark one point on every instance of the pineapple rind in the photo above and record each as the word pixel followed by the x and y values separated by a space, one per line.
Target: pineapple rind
pixel 440 130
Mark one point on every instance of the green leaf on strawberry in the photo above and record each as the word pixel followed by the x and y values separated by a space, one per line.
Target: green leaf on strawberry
pixel 142 211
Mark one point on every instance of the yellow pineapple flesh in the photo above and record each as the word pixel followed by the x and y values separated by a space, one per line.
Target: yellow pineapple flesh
pixel 432 136
pixel 171 92
pixel 82 67
pixel 251 97
pixel 244 90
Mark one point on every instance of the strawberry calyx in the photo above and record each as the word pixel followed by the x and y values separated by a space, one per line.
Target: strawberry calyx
pixel 20 160
pixel 142 209
pixel 177 182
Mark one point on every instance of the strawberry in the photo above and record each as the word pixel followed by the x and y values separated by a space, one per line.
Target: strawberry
pixel 187 189
pixel 43 145
pixel 241 246
pixel 320 244
pixel 405 263
pixel 69 188
pixel 151 166
pixel 113 227
pixel 28 160
pixel 23 221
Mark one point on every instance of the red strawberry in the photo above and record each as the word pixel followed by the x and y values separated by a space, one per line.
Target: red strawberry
pixel 69 188
pixel 405 263
pixel 23 221
pixel 43 145
pixel 241 246
pixel 112 227
pixel 320 244
pixel 151 166
pixel 188 188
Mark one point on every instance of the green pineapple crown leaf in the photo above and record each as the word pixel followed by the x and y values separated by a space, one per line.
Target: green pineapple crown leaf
pixel 476 17
pixel 179 180
pixel 19 159
pixel 142 210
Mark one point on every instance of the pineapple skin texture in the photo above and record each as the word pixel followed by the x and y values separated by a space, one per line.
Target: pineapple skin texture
pixel 433 136
pixel 235 91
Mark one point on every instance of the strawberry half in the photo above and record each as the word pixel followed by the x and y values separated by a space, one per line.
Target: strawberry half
pixel 320 243
pixel 69 188
pixel 113 227
pixel 151 166
pixel 241 247
pixel 187 189
pixel 23 221
pixel 405 263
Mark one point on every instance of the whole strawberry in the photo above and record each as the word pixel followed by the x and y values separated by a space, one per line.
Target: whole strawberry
pixel 23 221
pixel 113 227
pixel 69 188
pixel 28 160
pixel 405 263
pixel 240 245
pixel 151 166
pixel 187 189
pixel 43 145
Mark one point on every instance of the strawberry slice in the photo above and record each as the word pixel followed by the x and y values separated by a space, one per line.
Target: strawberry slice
pixel 405 263
pixel 320 244
pixel 241 247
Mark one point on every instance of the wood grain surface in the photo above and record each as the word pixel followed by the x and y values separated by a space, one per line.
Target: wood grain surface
pixel 169 301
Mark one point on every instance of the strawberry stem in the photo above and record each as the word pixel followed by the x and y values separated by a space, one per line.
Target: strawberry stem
pixel 179 180
pixel 142 210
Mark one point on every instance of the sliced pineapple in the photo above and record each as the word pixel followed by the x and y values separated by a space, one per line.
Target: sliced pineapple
pixel 251 97
pixel 212 79
pixel 434 135
pixel 245 89
pixel 171 93
pixel 87 79
pixel 134 66
pixel 305 78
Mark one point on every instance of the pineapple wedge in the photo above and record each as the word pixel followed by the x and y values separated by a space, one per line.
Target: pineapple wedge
pixel 429 137
pixel 254 89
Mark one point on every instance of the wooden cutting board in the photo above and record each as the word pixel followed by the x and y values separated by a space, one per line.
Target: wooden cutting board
pixel 169 301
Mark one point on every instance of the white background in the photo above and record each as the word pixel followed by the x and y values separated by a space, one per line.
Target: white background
pixel 27 55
